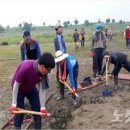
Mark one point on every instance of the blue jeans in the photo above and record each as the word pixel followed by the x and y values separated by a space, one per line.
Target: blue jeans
pixel 33 97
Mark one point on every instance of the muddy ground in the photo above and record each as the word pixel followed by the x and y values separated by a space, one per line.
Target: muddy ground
pixel 94 111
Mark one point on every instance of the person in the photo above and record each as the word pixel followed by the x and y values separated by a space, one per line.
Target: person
pixel 67 65
pixel 82 33
pixel 105 30
pixel 28 75
pixel 110 34
pixel 119 60
pixel 59 42
pixel 97 46
pixel 127 36
pixel 29 47
pixel 76 38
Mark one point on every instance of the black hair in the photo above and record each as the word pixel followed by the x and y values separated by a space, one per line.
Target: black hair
pixel 47 59
pixel 105 53
pixel 75 29
pixel 56 29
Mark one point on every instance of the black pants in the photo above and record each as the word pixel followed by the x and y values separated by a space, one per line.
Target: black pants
pixel 82 41
pixel 75 76
pixel 127 42
pixel 33 98
pixel 97 60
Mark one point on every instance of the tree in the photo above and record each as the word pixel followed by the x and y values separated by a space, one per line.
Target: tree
pixel 20 25
pixel 113 20
pixel 59 21
pixel 1 29
pixel 68 22
pixel 65 24
pixel 8 26
pixel 108 20
pixel 44 23
pixel 120 21
pixel 27 26
pixel 86 22
pixel 76 21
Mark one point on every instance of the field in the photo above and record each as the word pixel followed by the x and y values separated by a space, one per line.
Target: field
pixel 94 111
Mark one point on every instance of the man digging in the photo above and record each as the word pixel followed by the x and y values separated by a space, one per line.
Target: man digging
pixel 28 75
pixel 119 60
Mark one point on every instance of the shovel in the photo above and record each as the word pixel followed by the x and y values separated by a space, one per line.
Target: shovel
pixel 22 111
pixel 106 61
pixel 77 96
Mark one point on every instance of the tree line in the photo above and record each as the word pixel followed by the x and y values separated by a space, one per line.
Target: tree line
pixel 30 26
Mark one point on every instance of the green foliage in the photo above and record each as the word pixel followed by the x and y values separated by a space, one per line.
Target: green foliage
pixel 113 20
pixel 108 20
pixel 27 26
pixel 65 24
pixel 76 21
pixel 120 21
pixel 45 34
pixel 1 28
pixel 86 23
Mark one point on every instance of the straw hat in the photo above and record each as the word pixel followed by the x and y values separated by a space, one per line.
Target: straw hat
pixel 60 56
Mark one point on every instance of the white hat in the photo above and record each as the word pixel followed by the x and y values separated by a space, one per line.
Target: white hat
pixel 58 25
pixel 128 26
pixel 60 56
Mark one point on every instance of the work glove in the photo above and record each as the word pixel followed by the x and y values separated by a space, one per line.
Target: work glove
pixel 12 108
pixel 45 112
pixel 73 92
pixel 91 53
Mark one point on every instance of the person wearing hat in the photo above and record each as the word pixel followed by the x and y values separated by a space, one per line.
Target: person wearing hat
pixel 28 75
pixel 29 47
pixel 127 36
pixel 67 65
pixel 119 60
pixel 97 46
pixel 59 42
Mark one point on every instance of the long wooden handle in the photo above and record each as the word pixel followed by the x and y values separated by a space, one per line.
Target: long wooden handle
pixel 107 60
pixel 69 87
pixel 22 111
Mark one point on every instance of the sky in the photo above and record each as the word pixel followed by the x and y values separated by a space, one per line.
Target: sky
pixel 13 12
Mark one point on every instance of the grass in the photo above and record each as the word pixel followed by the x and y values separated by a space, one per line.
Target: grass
pixel 46 44
pixel 46 34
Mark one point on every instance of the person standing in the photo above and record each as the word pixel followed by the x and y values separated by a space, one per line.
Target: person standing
pixel 29 47
pixel 127 36
pixel 59 42
pixel 28 75
pixel 82 34
pixel 76 38
pixel 97 46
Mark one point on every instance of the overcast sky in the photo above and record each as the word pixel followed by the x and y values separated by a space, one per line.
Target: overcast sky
pixel 37 11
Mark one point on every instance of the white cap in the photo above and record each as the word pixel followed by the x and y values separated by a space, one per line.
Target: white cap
pixel 58 25
pixel 128 26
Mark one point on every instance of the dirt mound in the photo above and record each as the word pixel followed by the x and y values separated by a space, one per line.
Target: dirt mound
pixel 94 110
